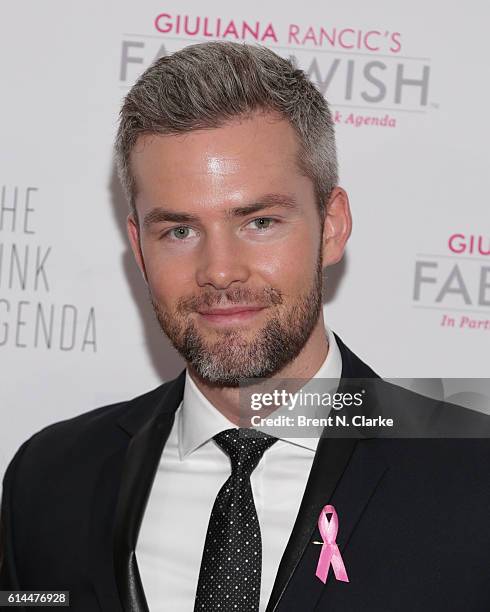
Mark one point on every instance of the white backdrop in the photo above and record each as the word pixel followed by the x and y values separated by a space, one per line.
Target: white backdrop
pixel 408 83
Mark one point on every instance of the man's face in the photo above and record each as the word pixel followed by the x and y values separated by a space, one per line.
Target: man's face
pixel 226 220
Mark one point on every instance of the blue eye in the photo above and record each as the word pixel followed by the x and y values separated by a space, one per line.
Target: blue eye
pixel 176 233
pixel 268 222
pixel 181 232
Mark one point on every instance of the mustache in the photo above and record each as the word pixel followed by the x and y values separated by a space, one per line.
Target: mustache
pixel 264 297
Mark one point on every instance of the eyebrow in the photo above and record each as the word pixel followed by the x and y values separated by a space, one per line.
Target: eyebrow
pixel 270 200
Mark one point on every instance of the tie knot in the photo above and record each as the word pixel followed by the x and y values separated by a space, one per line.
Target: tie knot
pixel 244 446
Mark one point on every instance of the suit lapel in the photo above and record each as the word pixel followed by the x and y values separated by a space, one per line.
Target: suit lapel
pixel 101 565
pixel 328 466
pixel 140 465
pixel 340 476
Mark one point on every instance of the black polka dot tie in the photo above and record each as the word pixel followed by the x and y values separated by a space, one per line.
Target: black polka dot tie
pixel 231 565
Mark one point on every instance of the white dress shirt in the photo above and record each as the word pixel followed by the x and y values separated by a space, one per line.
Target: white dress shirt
pixel 192 470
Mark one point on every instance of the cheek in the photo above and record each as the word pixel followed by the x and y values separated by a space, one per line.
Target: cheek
pixel 288 264
pixel 169 282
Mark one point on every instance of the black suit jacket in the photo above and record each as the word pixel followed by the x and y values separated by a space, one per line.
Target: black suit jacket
pixel 414 514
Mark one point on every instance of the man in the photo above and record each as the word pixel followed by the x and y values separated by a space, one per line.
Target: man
pixel 227 154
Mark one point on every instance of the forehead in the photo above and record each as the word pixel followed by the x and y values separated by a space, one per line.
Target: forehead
pixel 260 151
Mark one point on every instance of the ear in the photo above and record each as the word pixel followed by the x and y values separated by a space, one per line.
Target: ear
pixel 337 227
pixel 133 231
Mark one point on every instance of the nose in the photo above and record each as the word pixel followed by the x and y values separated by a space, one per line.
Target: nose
pixel 222 261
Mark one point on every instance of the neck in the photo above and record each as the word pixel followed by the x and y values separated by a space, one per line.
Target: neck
pixel 304 366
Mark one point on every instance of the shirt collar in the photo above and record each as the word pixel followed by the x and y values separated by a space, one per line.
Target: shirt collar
pixel 199 420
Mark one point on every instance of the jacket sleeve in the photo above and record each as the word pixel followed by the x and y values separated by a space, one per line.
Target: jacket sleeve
pixel 8 572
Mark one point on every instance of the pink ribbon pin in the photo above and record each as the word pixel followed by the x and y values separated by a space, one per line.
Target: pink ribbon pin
pixel 330 552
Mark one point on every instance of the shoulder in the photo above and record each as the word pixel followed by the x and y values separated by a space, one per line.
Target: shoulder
pixel 97 432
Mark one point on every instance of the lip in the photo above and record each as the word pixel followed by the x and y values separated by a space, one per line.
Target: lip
pixel 234 314
pixel 230 310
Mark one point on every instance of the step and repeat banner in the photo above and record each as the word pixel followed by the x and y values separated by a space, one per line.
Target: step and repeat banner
pixel 408 86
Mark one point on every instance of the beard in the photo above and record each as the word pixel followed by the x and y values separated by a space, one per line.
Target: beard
pixel 231 358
